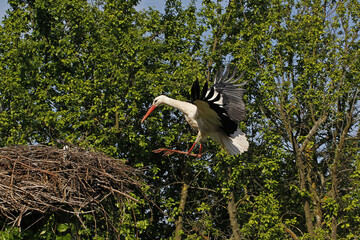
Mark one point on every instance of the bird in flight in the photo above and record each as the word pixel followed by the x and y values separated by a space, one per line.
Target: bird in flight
pixel 214 112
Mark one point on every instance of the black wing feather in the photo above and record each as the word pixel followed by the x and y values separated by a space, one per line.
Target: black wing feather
pixel 232 100
pixel 195 91
pixel 231 110
pixel 209 95
pixel 204 90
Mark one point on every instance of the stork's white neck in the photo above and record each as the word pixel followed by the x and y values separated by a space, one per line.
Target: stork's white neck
pixel 185 107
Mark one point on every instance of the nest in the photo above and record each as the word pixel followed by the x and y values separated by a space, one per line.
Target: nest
pixel 46 179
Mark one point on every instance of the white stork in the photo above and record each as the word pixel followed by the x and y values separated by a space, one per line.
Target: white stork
pixel 215 112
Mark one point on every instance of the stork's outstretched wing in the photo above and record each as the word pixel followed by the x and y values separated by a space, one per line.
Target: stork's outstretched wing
pixel 224 97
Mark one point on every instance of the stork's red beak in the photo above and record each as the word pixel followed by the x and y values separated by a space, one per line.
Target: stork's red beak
pixel 148 112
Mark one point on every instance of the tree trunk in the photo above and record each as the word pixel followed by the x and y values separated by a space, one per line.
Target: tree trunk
pixel 179 221
pixel 307 209
pixel 334 189
pixel 233 219
pixel 300 162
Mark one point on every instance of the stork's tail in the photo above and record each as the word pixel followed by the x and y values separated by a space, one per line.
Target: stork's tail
pixel 237 143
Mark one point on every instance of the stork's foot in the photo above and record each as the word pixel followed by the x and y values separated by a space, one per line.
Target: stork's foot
pixel 168 152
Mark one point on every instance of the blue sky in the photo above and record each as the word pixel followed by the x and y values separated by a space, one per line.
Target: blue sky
pixel 3 7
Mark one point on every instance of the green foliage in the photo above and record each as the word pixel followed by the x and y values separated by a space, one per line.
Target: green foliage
pixel 10 233
pixel 264 222
pixel 85 72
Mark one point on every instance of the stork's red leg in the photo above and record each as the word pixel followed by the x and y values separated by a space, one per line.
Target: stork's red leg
pixel 200 150
pixel 191 148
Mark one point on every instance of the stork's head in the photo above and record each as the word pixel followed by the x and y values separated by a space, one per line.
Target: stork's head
pixel 160 100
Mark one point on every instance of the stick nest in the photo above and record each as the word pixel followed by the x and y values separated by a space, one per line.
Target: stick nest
pixel 47 179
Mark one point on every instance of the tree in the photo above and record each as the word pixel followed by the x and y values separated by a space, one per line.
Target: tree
pixel 307 89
